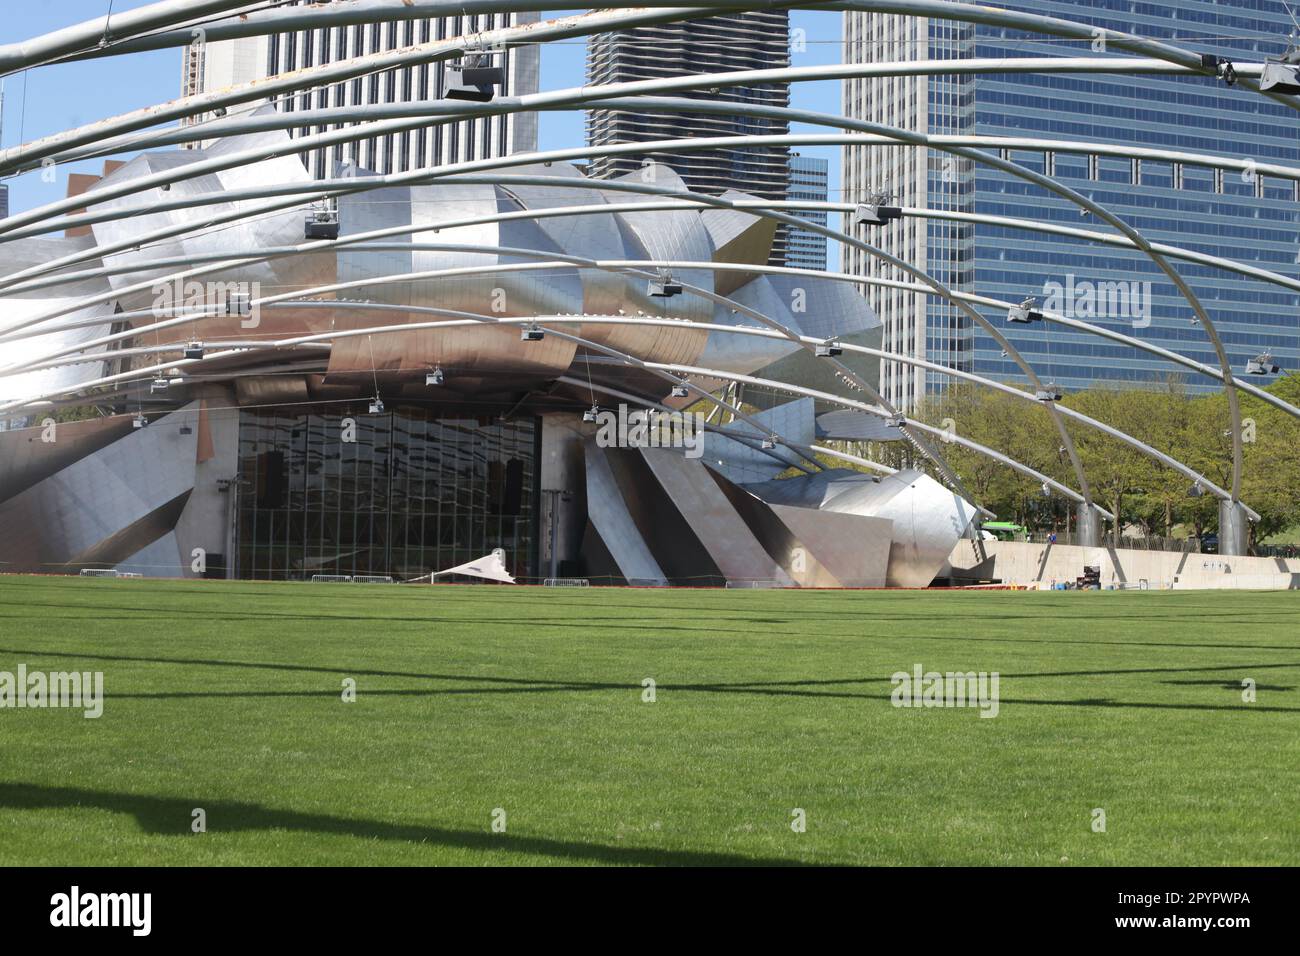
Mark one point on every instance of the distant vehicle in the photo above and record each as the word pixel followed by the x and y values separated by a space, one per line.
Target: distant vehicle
pixel 1209 544
pixel 1005 530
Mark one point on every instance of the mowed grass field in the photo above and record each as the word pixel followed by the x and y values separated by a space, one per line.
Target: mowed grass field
pixel 228 697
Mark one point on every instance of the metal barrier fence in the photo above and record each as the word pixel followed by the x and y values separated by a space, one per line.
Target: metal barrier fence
pixel 1153 543
pixel 351 579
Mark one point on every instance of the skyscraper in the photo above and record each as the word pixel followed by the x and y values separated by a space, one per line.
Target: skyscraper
pixel 808 181
pixel 1251 218
pixel 216 65
pixel 740 41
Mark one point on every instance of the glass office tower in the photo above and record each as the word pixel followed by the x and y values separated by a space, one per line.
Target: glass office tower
pixel 1243 216
pixel 808 180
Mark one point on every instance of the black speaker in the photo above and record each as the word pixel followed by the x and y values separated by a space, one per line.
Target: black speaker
pixel 513 500
pixel 271 480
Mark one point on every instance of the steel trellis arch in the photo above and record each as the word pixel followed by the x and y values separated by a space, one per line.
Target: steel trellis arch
pixel 916 139
pixel 143 373
pixel 757 207
pixel 268 22
pixel 649 190
pixel 1020 172
pixel 810 341
pixel 780 217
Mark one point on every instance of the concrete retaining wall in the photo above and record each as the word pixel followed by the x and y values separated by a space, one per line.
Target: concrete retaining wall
pixel 1017 562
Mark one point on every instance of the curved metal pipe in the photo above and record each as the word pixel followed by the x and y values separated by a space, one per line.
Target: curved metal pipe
pixel 1020 172
pixel 103 33
pixel 1118 337
pixel 1047 182
pixel 740 330
pixel 917 440
pixel 31 279
pixel 245 123
pixel 812 341
pixel 757 206
pixel 261 255
pixel 845 372
pixel 938 9
pixel 23 157
pixel 312 191
pixel 524 252
pixel 142 374
pixel 921 444
pixel 602 185
pixel 1065 192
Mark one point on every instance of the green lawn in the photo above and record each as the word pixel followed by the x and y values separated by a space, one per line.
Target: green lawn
pixel 228 697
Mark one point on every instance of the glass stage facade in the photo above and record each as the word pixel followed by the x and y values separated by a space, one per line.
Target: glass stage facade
pixel 412 491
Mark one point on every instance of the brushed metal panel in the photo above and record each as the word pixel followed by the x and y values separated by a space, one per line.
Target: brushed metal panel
pixel 71 512
pixel 738 237
pixel 744 463
pixel 846 424
pixel 25 459
pixel 162 559
pixel 733 547
pixel 841 550
pixel 609 515
pixel 928 518
pixel 15 310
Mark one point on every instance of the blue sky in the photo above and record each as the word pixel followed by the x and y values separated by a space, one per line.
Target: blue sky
pixel 52 99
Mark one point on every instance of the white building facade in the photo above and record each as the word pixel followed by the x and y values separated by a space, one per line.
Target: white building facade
pixel 213 66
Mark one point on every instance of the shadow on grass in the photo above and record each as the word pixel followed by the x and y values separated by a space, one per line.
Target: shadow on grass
pixel 778 688
pixel 171 816
pixel 348 671
pixel 689 688
pixel 744 623
pixel 1225 684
